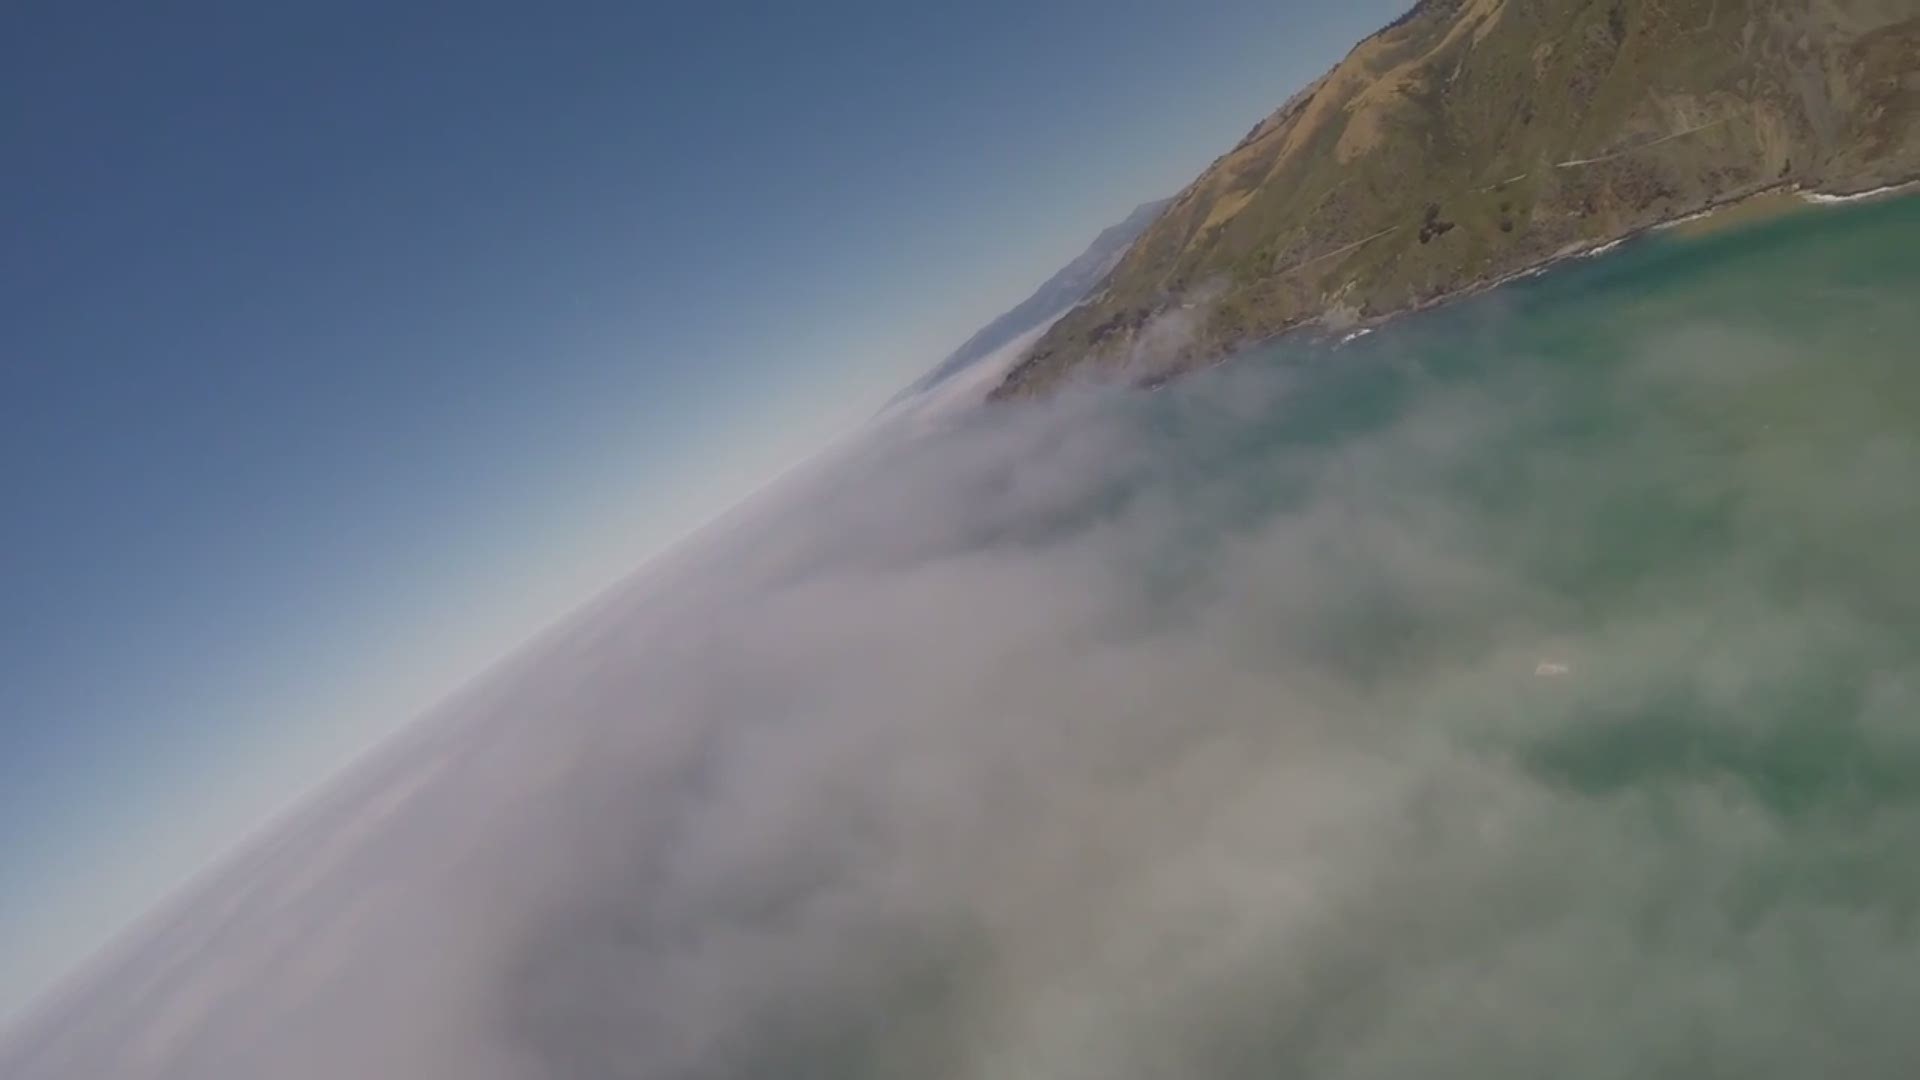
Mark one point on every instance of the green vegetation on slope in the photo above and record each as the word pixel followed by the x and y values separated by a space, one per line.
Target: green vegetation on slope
pixel 1473 139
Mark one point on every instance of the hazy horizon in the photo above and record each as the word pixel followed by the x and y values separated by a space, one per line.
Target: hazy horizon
pixel 1525 686
pixel 348 349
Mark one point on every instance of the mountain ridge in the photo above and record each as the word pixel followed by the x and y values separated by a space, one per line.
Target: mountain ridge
pixel 1471 140
pixel 1068 286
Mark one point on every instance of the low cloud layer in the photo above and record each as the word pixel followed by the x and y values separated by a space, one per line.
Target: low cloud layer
pixel 1461 703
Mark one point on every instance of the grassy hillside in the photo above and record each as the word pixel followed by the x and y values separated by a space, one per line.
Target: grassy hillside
pixel 1474 138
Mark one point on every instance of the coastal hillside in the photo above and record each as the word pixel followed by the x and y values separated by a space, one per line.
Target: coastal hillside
pixel 1067 287
pixel 1472 139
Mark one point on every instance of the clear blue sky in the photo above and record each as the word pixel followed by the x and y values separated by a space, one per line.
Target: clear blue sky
pixel 344 345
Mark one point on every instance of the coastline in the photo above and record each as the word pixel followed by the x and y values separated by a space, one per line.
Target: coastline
pixel 1761 206
pixel 1885 191
pixel 1751 207
pixel 1733 212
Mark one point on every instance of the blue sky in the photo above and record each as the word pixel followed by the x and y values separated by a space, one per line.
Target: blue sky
pixel 343 346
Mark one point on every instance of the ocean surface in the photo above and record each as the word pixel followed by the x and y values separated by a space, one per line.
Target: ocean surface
pixel 1731 416
pixel 1528 688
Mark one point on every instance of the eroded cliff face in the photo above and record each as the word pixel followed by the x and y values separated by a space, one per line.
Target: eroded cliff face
pixel 1472 139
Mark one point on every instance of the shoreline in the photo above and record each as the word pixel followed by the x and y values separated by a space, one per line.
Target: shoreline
pixel 1885 191
pixel 1773 201
pixel 1715 217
